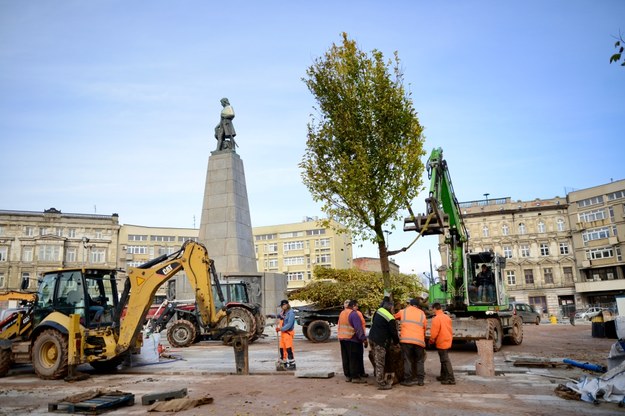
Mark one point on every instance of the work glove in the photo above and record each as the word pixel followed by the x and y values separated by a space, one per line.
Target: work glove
pixel 277 329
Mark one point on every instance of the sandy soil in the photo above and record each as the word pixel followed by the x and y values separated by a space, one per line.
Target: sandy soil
pixel 515 391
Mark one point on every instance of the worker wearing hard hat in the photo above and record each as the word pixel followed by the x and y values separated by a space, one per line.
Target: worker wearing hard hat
pixel 286 328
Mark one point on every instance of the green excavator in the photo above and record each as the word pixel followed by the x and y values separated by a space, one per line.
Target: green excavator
pixel 477 312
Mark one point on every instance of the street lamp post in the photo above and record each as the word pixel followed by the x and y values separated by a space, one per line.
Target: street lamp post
pixel 387 232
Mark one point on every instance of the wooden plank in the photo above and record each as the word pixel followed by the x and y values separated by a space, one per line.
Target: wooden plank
pixel 149 399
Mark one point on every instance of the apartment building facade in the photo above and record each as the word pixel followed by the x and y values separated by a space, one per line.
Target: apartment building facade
pixel 597 219
pixel 535 238
pixel 295 249
pixel 33 242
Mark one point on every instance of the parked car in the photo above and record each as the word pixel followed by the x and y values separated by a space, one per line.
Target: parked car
pixel 527 312
pixel 589 313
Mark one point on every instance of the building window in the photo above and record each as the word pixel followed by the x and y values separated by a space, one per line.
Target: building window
pixel 525 250
pixel 4 253
pixel 541 227
pixel 293 261
pixel 595 215
pixel 136 237
pixel 1 229
pixel 590 201
pixel 544 249
pixel 25 280
pixel 616 195
pixel 560 224
pixel 529 276
pixel 485 231
pixel 70 255
pixel 511 277
pixel 548 275
pixel 29 231
pixel 322 242
pixel 133 263
pixel 564 248
pixel 59 232
pixel 599 253
pixel 507 252
pixel 266 237
pixel 163 238
pixel 320 231
pixel 522 228
pixel 293 245
pixel 27 254
pixel 71 233
pixel 323 258
pixel 166 250
pixel 596 234
pixel 295 276
pixel 2 281
pixel 292 234
pixel 183 239
pixel 137 249
pixel 568 274
pixel 271 248
pixel 98 255
pixel 49 253
pixel 505 230
pixel 271 264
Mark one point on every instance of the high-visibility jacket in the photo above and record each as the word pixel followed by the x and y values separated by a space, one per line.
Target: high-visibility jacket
pixel 345 329
pixel 413 325
pixel 441 331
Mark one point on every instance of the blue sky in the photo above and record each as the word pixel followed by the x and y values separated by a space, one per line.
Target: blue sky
pixel 109 106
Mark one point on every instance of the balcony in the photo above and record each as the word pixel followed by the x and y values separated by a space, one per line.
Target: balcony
pixel 600 286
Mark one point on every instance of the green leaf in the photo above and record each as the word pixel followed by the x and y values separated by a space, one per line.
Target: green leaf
pixel 615 58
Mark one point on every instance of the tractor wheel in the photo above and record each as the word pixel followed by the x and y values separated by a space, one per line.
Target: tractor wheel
pixel 181 334
pixel 305 332
pixel 49 355
pixel 260 326
pixel 319 331
pixel 495 332
pixel 5 361
pixel 243 320
pixel 106 366
pixel 516 332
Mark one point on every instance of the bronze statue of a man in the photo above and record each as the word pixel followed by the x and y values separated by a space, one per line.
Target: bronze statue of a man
pixel 224 131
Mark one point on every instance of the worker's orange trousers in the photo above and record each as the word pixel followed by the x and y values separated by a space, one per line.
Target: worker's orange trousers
pixel 286 344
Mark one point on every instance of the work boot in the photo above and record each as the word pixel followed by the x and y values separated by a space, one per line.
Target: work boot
pixel 358 380
pixel 348 379
pixel 408 383
pixel 448 382
pixel 385 386
pixel 290 365
pixel 439 378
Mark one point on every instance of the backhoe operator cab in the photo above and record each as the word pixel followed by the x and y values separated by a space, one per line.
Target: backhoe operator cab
pixel 90 293
pixel 486 286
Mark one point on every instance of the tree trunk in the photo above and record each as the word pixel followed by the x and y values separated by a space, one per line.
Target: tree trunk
pixel 384 264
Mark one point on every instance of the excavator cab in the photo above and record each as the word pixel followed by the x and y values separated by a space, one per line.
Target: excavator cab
pixel 485 285
pixel 90 293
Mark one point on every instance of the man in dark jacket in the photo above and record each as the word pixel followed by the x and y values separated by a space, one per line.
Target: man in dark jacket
pixel 382 334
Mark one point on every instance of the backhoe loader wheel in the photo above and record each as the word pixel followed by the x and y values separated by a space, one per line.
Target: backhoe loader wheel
pixel 260 326
pixel 495 332
pixel 5 361
pixel 50 355
pixel 181 333
pixel 516 332
pixel 319 331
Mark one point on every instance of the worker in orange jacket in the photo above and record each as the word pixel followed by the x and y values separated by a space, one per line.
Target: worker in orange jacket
pixel 413 324
pixel 441 335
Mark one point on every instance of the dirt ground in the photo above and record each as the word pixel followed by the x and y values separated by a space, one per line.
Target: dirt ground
pixel 514 391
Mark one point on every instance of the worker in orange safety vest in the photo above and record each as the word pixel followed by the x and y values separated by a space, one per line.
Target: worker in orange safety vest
pixel 352 338
pixel 413 324
pixel 441 335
